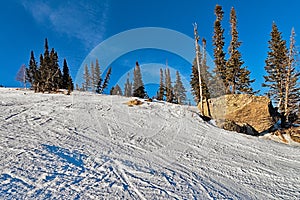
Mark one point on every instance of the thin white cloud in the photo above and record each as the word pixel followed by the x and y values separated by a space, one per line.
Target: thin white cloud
pixel 84 21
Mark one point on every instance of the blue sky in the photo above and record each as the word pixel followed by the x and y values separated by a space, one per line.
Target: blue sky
pixel 75 28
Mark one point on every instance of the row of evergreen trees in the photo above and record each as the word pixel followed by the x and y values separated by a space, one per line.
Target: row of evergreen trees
pixel 167 91
pixel 93 80
pixel 47 76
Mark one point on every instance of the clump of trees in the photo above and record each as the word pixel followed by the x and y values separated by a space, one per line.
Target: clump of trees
pixel 229 76
pixel 167 91
pixel 46 75
pixel 128 87
pixel 235 76
pixel 282 78
pixel 92 80
pixel 206 76
pixel 116 90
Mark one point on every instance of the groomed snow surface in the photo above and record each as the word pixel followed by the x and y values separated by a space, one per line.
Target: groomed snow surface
pixel 88 146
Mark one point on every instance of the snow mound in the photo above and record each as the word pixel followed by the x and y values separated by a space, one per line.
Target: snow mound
pixel 88 146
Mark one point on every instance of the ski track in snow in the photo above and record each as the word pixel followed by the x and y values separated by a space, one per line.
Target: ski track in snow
pixel 88 146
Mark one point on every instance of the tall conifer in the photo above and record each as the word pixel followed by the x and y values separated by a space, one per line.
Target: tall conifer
pixel 161 89
pixel 237 76
pixel 276 63
pixel 179 90
pixel 219 54
pixel 138 85
pixel 128 87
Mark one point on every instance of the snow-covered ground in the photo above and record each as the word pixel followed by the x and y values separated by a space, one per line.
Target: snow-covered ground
pixel 88 146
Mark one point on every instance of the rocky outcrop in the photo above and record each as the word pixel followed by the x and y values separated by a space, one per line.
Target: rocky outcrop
pixel 240 128
pixel 294 133
pixel 242 109
pixel 134 102
pixel 288 136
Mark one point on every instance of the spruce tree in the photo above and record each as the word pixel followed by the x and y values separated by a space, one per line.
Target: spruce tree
pixel 106 80
pixel 128 87
pixel 45 69
pixel 86 78
pixel 276 63
pixel 54 72
pixel 234 62
pixel 101 87
pixel 219 54
pixel 194 82
pixel 169 87
pixel 32 73
pixel 111 92
pixel 138 85
pixel 41 82
pixel 97 75
pixel 93 77
pixel 237 76
pixel 161 89
pixel 179 90
pixel 67 82
pixel 244 82
pixel 116 90
pixel 206 76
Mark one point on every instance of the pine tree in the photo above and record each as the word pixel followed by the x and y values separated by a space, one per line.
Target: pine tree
pixel 41 80
pixel 32 73
pixel 54 72
pixel 194 82
pixel 234 62
pixel 67 82
pixel 116 90
pixel 276 63
pixel 93 77
pixel 168 85
pixel 86 78
pixel 21 75
pixel 101 87
pixel 111 92
pixel 97 75
pixel 50 74
pixel 179 90
pixel 219 54
pixel 106 80
pixel 138 85
pixel 291 98
pixel 237 76
pixel 206 76
pixel 45 69
pixel 161 89
pixel 128 87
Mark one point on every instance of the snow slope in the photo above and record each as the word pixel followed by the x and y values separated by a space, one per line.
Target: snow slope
pixel 88 146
